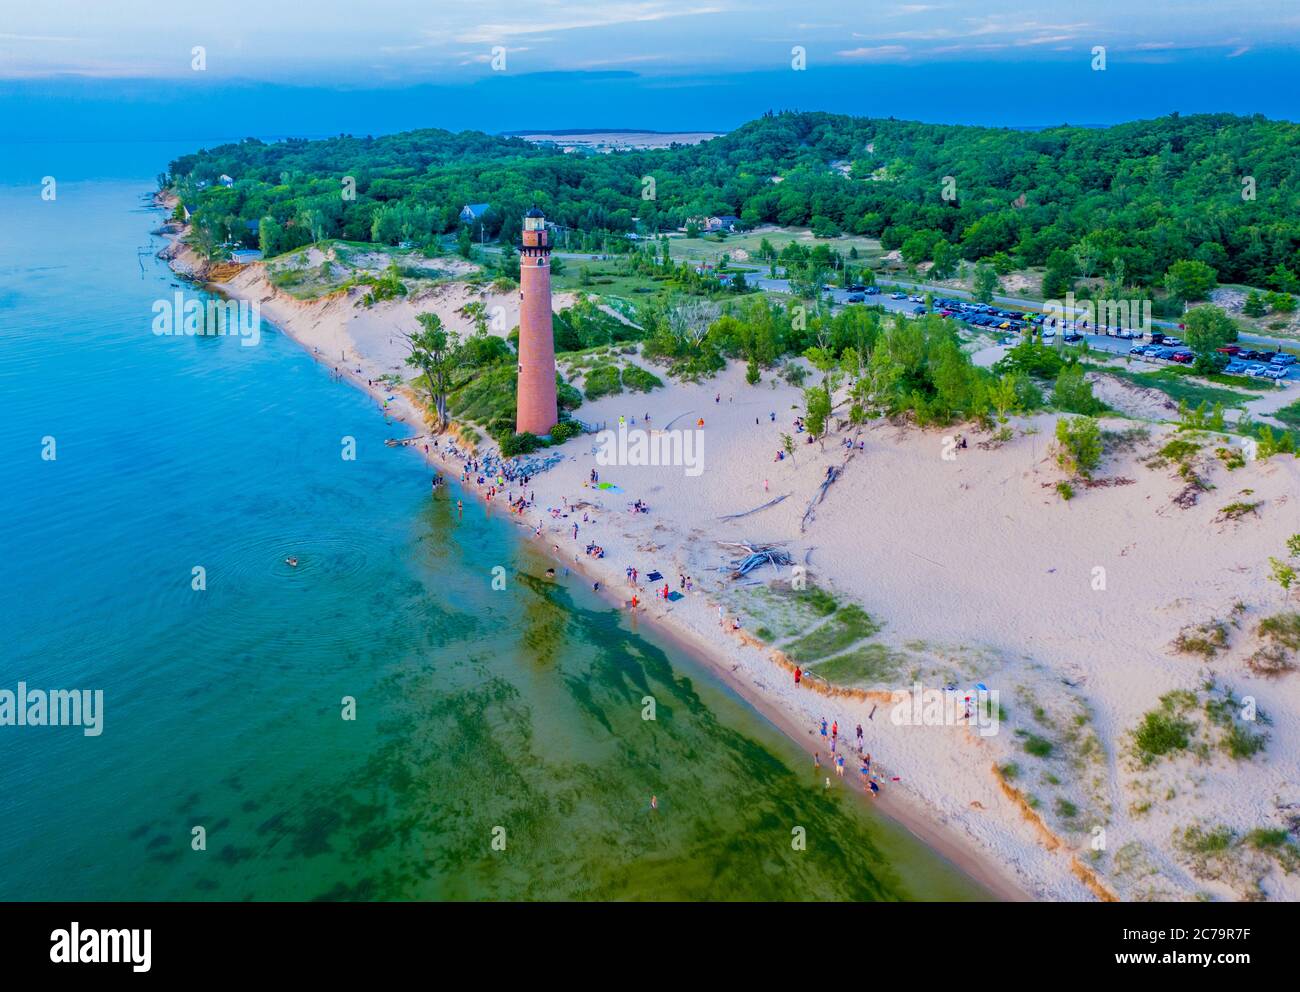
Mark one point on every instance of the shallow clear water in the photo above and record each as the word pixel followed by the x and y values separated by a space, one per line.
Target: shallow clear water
pixel 476 709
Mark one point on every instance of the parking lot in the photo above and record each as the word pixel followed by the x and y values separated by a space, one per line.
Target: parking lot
pixel 1156 347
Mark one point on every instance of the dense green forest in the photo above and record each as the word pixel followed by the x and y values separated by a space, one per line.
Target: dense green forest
pixel 1130 200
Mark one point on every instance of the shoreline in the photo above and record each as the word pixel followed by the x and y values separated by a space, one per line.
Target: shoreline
pixel 977 569
pixel 948 845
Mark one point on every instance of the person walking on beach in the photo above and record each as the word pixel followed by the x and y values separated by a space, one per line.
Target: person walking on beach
pixel 798 674
pixel 835 730
pixel 839 766
pixel 823 726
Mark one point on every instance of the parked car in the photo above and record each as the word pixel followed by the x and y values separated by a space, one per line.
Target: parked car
pixel 1266 356
pixel 873 290
pixel 857 289
pixel 1273 372
pixel 1165 353
pixel 1069 337
pixel 1228 349
pixel 856 298
pixel 1284 358
pixel 1248 353
pixel 1256 370
pixel 1157 337
pixel 1235 368
pixel 898 296
pixel 1138 349
pixel 1182 357
pixel 919 311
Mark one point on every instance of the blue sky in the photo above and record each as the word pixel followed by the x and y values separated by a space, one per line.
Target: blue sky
pixel 323 66
pixel 404 41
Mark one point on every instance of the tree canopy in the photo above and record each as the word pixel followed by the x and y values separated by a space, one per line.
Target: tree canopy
pixel 1143 196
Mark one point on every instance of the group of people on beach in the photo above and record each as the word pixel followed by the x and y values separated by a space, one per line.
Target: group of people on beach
pixel 831 735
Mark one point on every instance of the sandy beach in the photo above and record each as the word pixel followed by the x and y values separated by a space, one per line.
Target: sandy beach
pixel 971 570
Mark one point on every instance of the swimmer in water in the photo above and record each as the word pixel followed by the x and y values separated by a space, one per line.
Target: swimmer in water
pixel 291 562
pixel 550 573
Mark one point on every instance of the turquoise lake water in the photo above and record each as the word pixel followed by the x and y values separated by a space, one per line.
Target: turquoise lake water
pixel 476 709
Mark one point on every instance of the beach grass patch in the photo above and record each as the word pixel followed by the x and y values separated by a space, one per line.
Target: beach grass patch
pixel 1239 509
pixel 869 664
pixel 1232 458
pixel 639 380
pixel 1289 415
pixel 1197 840
pixel 1179 450
pixel 1039 747
pixel 602 380
pixel 846 627
pixel 821 601
pixel 1164 731
pixel 1283 628
pixel 1204 639
pixel 1177 385
pixel 1241 744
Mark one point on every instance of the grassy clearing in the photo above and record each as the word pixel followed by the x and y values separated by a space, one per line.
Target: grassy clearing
pixel 866 665
pixel 784 612
pixel 849 625
pixel 1289 415
pixel 1178 385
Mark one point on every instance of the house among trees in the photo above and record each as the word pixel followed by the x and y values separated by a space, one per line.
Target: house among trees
pixel 225 180
pixel 723 222
pixel 472 213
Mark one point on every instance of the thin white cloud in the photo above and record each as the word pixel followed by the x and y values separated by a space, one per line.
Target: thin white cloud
pixel 608 17
pixel 53 39
pixel 874 53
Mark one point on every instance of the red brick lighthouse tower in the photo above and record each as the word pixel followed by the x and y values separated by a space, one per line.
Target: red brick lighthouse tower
pixel 537 412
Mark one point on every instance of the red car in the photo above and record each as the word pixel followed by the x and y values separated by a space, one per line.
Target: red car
pixel 1230 349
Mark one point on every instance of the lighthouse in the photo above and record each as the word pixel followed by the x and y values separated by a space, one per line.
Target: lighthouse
pixel 536 412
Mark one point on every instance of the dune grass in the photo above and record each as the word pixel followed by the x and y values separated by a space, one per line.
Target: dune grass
pixel 870 664
pixel 849 625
